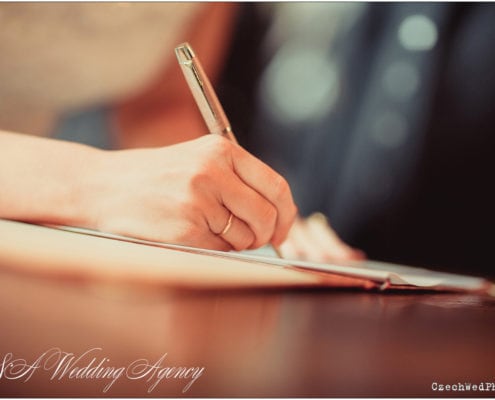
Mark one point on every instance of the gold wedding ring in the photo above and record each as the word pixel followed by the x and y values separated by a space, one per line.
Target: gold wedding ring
pixel 227 227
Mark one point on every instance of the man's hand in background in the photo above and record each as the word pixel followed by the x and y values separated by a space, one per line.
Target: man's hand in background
pixel 313 239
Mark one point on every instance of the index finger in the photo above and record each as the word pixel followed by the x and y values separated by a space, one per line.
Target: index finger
pixel 270 185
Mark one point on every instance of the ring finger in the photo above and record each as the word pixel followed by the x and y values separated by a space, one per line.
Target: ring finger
pixel 233 230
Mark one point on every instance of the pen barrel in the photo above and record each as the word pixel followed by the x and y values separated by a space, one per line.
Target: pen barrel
pixel 204 95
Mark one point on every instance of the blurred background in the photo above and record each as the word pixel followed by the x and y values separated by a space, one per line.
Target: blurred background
pixel 381 116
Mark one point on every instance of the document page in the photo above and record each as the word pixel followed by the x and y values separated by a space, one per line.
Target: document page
pixel 63 250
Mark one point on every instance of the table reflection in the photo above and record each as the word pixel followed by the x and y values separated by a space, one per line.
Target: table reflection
pixel 250 343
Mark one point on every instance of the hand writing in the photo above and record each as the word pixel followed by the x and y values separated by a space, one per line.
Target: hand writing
pixel 185 194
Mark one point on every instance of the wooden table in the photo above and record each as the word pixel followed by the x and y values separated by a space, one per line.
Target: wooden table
pixel 250 343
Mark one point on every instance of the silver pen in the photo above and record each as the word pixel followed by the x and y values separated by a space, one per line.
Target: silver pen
pixel 205 96
pixel 202 90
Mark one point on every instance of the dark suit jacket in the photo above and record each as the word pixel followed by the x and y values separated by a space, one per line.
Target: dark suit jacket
pixel 406 179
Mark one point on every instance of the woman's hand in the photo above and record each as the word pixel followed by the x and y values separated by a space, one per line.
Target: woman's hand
pixel 185 194
pixel 313 239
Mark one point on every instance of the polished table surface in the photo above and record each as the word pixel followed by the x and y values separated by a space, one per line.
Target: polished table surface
pixel 250 343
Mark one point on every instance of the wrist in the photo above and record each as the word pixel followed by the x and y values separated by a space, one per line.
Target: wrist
pixel 85 190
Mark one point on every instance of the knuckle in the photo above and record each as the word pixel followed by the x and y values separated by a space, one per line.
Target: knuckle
pixel 208 171
pixel 269 215
pixel 205 174
pixel 201 178
pixel 268 219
